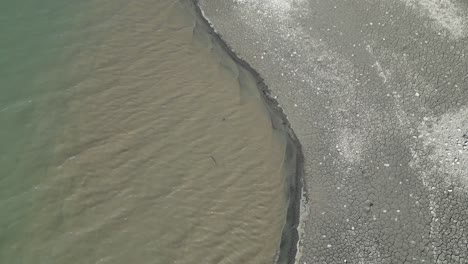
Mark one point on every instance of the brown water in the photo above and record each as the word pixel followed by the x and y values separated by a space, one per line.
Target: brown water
pixel 166 152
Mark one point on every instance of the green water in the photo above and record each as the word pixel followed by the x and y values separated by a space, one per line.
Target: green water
pixel 39 40
pixel 31 89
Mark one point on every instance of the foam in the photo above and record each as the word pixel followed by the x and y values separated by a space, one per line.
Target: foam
pixel 445 13
pixel 445 139
pixel 280 8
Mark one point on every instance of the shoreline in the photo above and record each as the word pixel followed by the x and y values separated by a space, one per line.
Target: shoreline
pixel 287 251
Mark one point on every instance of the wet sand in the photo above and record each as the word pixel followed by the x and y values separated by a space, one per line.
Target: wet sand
pixel 294 156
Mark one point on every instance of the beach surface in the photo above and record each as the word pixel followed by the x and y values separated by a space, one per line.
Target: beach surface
pixel 377 94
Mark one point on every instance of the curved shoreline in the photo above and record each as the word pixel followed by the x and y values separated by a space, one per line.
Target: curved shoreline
pixel 290 235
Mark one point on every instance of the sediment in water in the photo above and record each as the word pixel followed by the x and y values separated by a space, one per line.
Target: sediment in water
pixel 294 159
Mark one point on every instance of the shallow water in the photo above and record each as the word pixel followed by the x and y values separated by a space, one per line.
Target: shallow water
pixel 129 136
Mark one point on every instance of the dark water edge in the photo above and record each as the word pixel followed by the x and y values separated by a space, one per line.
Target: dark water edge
pixel 294 158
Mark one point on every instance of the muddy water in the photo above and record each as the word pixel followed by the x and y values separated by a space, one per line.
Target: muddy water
pixel 161 148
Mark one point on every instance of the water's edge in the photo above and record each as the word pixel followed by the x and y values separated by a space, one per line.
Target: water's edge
pixel 290 235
